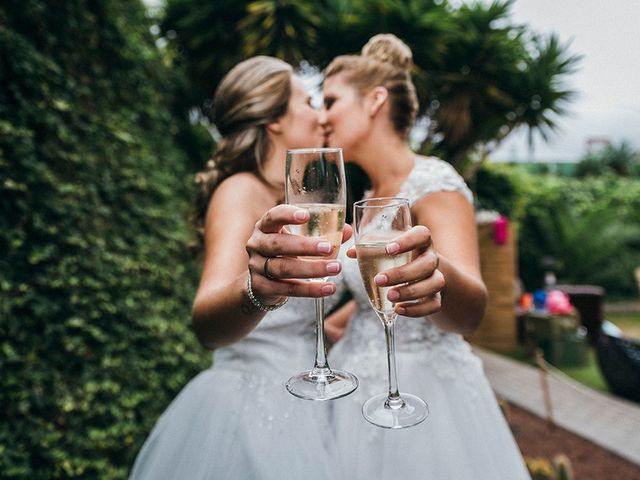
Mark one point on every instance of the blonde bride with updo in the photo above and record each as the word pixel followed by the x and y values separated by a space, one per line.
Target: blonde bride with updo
pixel 370 106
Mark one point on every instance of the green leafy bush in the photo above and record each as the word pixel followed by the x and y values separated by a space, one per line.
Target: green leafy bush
pixel 95 278
pixel 618 159
pixel 497 188
pixel 590 227
pixel 587 230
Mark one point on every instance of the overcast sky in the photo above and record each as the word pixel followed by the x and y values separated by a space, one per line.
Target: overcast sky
pixel 607 34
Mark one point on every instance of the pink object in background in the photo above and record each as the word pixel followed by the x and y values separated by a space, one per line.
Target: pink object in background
pixel 558 302
pixel 500 230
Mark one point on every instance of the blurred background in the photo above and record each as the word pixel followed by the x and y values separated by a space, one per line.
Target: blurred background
pixel 105 117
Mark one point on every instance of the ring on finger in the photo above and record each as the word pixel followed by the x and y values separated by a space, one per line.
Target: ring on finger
pixel 266 271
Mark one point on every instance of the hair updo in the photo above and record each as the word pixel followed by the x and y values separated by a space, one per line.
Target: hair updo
pixel 385 61
pixel 252 94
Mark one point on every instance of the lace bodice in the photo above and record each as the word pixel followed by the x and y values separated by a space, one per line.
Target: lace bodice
pixel 364 344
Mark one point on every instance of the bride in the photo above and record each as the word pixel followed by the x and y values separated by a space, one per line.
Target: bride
pixel 236 420
pixel 370 106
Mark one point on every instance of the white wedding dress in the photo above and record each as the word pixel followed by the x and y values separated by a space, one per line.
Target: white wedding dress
pixel 465 436
pixel 236 421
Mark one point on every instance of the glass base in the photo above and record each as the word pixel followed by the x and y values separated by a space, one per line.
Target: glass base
pixel 322 386
pixel 412 411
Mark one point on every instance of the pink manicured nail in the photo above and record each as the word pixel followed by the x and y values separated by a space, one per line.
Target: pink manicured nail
pixel 401 310
pixel 325 247
pixel 301 215
pixel 380 279
pixel 328 289
pixel 333 267
pixel 393 295
pixel 392 248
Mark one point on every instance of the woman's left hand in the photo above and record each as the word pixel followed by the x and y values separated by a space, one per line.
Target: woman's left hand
pixel 419 283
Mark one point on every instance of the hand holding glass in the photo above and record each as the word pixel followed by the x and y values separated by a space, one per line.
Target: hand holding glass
pixel 377 222
pixel 315 181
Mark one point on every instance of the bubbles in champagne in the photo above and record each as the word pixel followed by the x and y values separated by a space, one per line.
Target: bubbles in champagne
pixel 373 259
pixel 326 221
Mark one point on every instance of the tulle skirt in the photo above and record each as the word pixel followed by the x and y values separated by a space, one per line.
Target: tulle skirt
pixel 465 436
pixel 237 425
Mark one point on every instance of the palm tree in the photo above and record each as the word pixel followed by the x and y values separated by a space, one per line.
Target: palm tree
pixel 282 28
pixel 494 79
pixel 203 39
pixel 478 76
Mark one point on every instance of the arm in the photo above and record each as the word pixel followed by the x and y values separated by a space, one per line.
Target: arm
pixel 239 236
pixel 451 220
pixel 443 279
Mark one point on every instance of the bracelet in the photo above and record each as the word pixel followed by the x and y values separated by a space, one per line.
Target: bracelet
pixel 257 303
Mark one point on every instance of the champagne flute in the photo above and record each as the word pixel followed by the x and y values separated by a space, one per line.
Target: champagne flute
pixel 315 181
pixel 377 222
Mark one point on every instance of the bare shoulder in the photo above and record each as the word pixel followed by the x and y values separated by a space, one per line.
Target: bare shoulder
pixel 243 182
pixel 242 192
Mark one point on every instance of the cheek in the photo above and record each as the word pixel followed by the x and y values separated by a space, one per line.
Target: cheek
pixel 348 127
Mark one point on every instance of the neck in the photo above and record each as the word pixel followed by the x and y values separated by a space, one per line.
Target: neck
pixel 273 169
pixel 387 161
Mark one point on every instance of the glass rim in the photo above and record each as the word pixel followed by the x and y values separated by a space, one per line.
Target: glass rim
pixel 392 201
pixel 315 150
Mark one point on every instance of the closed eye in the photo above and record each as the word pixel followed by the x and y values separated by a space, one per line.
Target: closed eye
pixel 328 102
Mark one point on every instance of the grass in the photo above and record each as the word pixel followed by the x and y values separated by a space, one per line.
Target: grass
pixel 628 322
pixel 589 374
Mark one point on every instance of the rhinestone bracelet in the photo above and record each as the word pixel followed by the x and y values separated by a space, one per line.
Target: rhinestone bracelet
pixel 257 303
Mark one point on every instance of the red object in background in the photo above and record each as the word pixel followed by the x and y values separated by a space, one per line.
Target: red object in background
pixel 501 230
pixel 526 302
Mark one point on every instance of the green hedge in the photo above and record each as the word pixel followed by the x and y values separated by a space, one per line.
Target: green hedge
pixel 95 278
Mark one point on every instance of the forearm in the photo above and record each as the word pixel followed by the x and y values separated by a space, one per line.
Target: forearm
pixel 464 300
pixel 224 314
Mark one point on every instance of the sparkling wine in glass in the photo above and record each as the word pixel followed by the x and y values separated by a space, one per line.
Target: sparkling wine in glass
pixel 315 180
pixel 377 222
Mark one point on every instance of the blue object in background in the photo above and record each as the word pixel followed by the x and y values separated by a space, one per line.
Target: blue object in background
pixel 539 299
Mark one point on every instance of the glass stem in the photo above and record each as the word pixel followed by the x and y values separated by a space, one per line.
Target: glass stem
pixel 393 399
pixel 321 367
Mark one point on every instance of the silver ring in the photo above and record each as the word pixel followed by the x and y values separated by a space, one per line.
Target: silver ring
pixel 266 272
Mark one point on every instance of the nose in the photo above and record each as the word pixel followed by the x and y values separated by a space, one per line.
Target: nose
pixel 322 116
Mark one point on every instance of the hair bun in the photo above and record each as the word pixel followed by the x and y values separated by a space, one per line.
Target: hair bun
pixel 388 48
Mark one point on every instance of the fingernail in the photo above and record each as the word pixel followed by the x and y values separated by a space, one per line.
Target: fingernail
pixel 392 248
pixel 401 310
pixel 301 215
pixel 393 295
pixel 328 289
pixel 333 267
pixel 325 247
pixel 380 279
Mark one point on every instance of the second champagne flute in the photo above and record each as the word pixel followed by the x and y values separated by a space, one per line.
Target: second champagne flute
pixel 377 222
pixel 315 181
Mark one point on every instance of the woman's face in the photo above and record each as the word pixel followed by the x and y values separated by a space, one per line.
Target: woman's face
pixel 301 126
pixel 344 118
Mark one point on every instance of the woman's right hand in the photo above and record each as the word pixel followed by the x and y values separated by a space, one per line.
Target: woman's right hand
pixel 274 266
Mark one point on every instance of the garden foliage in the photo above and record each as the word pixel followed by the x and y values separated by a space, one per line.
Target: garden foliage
pixel 95 278
pixel 586 230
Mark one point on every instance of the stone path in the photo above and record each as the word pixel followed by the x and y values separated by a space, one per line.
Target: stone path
pixel 607 421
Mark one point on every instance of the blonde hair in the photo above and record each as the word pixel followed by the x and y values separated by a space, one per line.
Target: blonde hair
pixel 253 94
pixel 384 61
